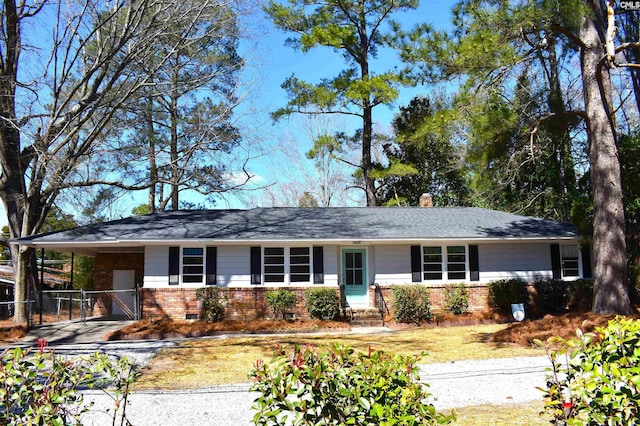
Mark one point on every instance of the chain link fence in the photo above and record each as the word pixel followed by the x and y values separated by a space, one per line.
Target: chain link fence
pixel 50 306
pixel 6 310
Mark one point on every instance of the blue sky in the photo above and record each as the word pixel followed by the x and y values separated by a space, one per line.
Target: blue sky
pixel 275 62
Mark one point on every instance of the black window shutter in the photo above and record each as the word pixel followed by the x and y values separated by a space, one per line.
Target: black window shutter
pixel 474 266
pixel 174 265
pixel 318 265
pixel 256 265
pixel 212 265
pixel 556 262
pixel 587 271
pixel 416 264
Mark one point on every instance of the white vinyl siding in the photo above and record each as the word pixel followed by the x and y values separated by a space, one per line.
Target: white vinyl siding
pixel 497 261
pixel 388 264
pixel 155 267
pixel 527 261
pixel 233 266
pixel 391 265
pixel 331 262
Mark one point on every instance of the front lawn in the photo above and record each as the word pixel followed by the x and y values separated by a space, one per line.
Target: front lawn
pixel 211 361
pixel 228 359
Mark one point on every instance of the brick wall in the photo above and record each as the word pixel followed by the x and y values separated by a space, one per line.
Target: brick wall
pixel 246 304
pixel 478 297
pixel 105 264
pixel 243 304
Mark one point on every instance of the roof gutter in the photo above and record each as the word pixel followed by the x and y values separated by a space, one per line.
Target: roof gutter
pixel 339 241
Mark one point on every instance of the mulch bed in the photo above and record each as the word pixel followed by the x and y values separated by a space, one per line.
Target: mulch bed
pixel 565 326
pixel 168 329
pixel 12 333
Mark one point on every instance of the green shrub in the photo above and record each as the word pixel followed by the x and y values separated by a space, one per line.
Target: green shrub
pixel 322 303
pixel 456 298
pixel 580 295
pixel 44 389
pixel 551 296
pixel 280 301
pixel 340 386
pixel 503 293
pixel 597 379
pixel 213 304
pixel 411 303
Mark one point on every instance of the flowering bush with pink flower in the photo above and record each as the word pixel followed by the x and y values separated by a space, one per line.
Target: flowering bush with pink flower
pixel 340 386
pixel 43 388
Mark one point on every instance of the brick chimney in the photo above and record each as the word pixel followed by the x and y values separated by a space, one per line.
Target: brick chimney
pixel 426 200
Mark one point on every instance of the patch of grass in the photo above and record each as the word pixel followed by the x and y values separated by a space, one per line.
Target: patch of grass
pixel 502 415
pixel 206 362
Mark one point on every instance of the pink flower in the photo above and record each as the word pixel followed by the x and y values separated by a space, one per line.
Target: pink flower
pixel 42 343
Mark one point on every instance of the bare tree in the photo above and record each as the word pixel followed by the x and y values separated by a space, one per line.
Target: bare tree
pixel 182 124
pixel 56 110
pixel 312 162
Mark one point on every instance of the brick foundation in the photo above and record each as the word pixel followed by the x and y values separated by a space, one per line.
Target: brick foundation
pixel 478 297
pixel 246 304
pixel 243 304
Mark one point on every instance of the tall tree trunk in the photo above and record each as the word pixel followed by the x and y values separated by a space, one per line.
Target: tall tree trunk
pixel 367 136
pixel 153 166
pixel 559 130
pixel 174 152
pixel 367 110
pixel 609 248
pixel 12 185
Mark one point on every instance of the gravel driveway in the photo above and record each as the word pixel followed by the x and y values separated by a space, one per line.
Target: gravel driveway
pixel 455 384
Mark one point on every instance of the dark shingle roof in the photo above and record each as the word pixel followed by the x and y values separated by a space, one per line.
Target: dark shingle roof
pixel 333 223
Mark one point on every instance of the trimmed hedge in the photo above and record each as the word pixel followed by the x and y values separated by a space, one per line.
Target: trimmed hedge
pixel 552 296
pixel 503 293
pixel 280 301
pixel 322 303
pixel 411 303
pixel 213 304
pixel 456 298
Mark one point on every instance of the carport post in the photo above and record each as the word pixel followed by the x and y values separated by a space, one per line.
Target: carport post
pixel 41 281
pixel 71 293
pixel 136 301
pixel 82 306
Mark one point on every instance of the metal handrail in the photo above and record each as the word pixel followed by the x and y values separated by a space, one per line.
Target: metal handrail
pixel 381 304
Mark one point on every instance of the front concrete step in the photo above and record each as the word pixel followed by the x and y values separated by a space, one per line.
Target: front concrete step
pixel 366 318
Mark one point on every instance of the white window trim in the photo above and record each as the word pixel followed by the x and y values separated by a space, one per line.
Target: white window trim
pixel 287 266
pixel 580 271
pixel 181 281
pixel 445 278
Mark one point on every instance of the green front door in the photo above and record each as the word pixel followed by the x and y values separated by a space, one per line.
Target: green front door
pixel 354 277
